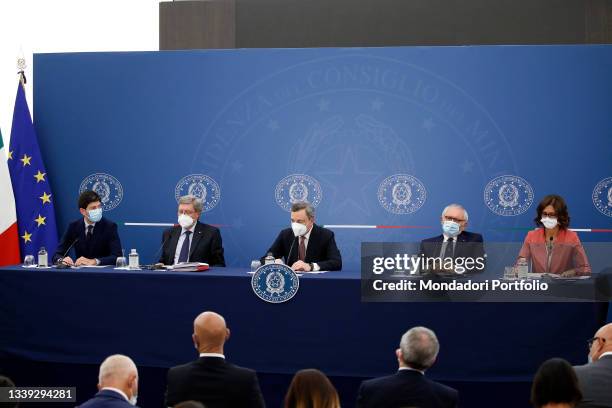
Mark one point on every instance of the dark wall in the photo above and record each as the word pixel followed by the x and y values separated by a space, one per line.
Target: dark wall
pixel 327 23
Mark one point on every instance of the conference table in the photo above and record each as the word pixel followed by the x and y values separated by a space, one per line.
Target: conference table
pixel 83 315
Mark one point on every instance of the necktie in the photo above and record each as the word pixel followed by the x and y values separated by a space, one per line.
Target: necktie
pixel 302 249
pixel 449 251
pixel 89 232
pixel 184 255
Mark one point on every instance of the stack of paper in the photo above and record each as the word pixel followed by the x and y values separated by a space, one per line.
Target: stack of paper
pixel 188 267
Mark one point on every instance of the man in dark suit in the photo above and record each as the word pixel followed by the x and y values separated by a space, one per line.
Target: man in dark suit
pixel 595 378
pixel 93 238
pixel 409 387
pixel 210 379
pixel 306 246
pixel 455 242
pixel 117 384
pixel 191 240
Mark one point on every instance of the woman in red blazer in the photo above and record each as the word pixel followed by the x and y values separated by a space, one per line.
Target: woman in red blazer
pixel 553 248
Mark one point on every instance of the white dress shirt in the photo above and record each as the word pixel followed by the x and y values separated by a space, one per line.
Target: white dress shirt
pixel 219 355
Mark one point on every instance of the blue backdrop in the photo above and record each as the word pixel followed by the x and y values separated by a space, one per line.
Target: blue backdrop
pixel 333 125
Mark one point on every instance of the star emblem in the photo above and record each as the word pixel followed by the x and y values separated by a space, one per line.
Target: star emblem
pixel 40 220
pixel 323 105
pixel 349 182
pixel 46 198
pixel 237 166
pixel 26 160
pixel 26 237
pixel 10 155
pixel 377 104
pixel 40 176
pixel 467 166
pixel 273 125
pixel 428 124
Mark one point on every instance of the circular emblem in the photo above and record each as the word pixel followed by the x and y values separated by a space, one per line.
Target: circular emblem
pixel 602 196
pixel 108 188
pixel 296 188
pixel 508 195
pixel 402 194
pixel 201 186
pixel 275 283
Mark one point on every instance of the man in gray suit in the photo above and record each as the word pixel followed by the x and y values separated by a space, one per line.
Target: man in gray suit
pixel 596 377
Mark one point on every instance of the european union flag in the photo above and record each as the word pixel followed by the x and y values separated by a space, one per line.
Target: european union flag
pixel 33 197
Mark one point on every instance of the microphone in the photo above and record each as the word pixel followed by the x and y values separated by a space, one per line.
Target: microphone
pixel 549 249
pixel 60 264
pixel 290 249
pixel 158 265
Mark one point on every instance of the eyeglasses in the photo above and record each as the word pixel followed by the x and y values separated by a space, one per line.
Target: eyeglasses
pixel 591 341
pixel 549 214
pixel 457 220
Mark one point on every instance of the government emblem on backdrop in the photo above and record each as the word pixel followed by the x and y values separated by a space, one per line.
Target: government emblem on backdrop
pixel 602 196
pixel 297 188
pixel 508 195
pixel 401 194
pixel 275 283
pixel 108 188
pixel 201 186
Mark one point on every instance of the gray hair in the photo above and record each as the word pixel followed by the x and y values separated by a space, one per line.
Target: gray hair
pixel 419 347
pixel 116 367
pixel 448 207
pixel 198 205
pixel 303 205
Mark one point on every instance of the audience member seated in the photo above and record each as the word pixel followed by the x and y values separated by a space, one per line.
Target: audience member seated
pixel 595 378
pixel 117 384
pixel 210 379
pixel 555 385
pixel 409 386
pixel 311 388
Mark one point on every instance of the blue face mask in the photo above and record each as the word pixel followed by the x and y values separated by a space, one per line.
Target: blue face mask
pixel 95 215
pixel 450 228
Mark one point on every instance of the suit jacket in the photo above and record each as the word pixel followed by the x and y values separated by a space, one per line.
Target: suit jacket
pixel 406 388
pixel 567 252
pixel 468 245
pixel 596 383
pixel 106 399
pixel 103 245
pixel 321 248
pixel 206 245
pixel 215 383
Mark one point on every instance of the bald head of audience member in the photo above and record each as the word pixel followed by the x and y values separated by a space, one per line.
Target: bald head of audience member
pixel 418 349
pixel 210 333
pixel 601 342
pixel 119 372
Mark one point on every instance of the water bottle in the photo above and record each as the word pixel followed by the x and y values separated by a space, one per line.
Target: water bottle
pixel 42 258
pixel 134 264
pixel 269 259
pixel 522 268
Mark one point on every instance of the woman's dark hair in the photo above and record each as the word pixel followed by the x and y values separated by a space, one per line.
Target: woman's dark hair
pixel 558 203
pixel 87 197
pixel 311 388
pixel 556 382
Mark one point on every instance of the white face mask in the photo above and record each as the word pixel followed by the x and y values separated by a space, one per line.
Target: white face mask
pixel 133 400
pixel 185 221
pixel 298 229
pixel 549 223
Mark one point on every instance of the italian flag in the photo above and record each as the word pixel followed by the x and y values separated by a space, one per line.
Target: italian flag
pixel 9 237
